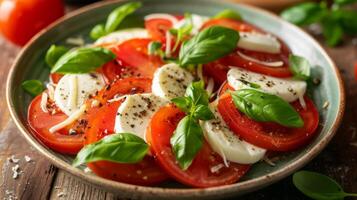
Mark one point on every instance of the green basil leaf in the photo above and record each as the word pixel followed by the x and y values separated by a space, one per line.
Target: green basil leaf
pixel 33 87
pixel 345 2
pixel 348 22
pixel 120 148
pixel 263 107
pixel 54 53
pixel 208 45
pixel 332 30
pixel 83 60
pixel 196 91
pixel 97 32
pixel 117 16
pixel 186 141
pixel 202 112
pixel 228 14
pixel 184 103
pixel 300 67
pixel 318 186
pixel 305 13
pixel 154 48
pixel 183 31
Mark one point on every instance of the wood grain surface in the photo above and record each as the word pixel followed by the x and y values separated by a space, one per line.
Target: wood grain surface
pixel 38 179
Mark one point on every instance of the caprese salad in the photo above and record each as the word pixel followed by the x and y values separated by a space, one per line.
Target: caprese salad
pixel 188 97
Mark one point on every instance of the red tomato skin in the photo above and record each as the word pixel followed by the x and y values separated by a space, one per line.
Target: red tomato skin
pixel 199 173
pixel 40 122
pixel 355 71
pixel 20 20
pixel 270 136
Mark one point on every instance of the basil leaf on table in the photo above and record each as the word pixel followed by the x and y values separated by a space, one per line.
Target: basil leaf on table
pixel 300 67
pixel 348 22
pixel 318 186
pixel 263 107
pixel 186 141
pixel 54 53
pixel 119 147
pixel 208 45
pixel 114 19
pixel 344 2
pixel 83 60
pixel 305 13
pixel 33 87
pixel 228 14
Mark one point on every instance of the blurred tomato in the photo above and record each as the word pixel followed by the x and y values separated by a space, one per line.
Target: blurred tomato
pixel 20 20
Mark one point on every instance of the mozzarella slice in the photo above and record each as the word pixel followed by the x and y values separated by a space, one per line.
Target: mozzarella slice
pixel 74 89
pixel 259 42
pixel 134 114
pixel 227 144
pixel 197 23
pixel 288 89
pixel 123 35
pixel 171 81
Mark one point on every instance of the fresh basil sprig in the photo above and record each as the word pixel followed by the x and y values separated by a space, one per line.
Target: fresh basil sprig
pixel 187 139
pixel 208 45
pixel 183 31
pixel 119 147
pixel 318 186
pixel 300 67
pixel 83 60
pixel 54 53
pixel 33 87
pixel 334 20
pixel 228 14
pixel 114 19
pixel 154 48
pixel 264 107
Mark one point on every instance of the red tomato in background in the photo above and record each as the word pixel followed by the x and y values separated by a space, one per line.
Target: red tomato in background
pixel 20 20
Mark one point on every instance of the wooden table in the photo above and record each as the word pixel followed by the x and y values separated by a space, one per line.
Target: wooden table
pixel 39 179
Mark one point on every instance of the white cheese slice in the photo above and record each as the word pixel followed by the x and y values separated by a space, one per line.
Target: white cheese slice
pixel 134 114
pixel 74 89
pixel 288 89
pixel 259 42
pixel 171 81
pixel 123 35
pixel 227 144
pixel 197 23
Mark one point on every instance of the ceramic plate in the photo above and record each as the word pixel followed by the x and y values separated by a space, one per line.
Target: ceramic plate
pixel 30 65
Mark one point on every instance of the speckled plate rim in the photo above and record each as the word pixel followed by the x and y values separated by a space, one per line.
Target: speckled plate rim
pixel 157 192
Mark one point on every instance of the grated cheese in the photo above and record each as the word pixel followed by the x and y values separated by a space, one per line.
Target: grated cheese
pixel 216 168
pixel 162 16
pixel 43 102
pixel 78 41
pixel 69 120
pixel 51 90
pixel 269 64
pixel 302 101
pixel 210 86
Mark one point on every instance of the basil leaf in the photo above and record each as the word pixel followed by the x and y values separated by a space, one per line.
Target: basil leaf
pixel 208 45
pixel 97 32
pixel 54 53
pixel 347 20
pixel 318 186
pixel 263 107
pixel 117 16
pixel 83 60
pixel 154 48
pixel 120 148
pixel 186 141
pixel 197 93
pixel 305 13
pixel 183 31
pixel 33 87
pixel 202 112
pixel 184 103
pixel 300 67
pixel 345 2
pixel 228 14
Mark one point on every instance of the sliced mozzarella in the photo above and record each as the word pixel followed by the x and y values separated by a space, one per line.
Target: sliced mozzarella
pixel 123 35
pixel 224 142
pixel 73 89
pixel 197 23
pixel 288 89
pixel 259 42
pixel 170 81
pixel 134 114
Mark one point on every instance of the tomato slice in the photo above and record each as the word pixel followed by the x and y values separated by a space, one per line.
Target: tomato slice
pixel 101 122
pixel 55 77
pixel 158 27
pixel 270 136
pixel 132 60
pixel 199 174
pixel 41 121
pixel 232 24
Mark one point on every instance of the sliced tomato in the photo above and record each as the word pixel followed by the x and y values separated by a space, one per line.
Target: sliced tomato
pixel 157 28
pixel 199 174
pixel 40 123
pixel 55 77
pixel 270 136
pixel 132 60
pixel 232 24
